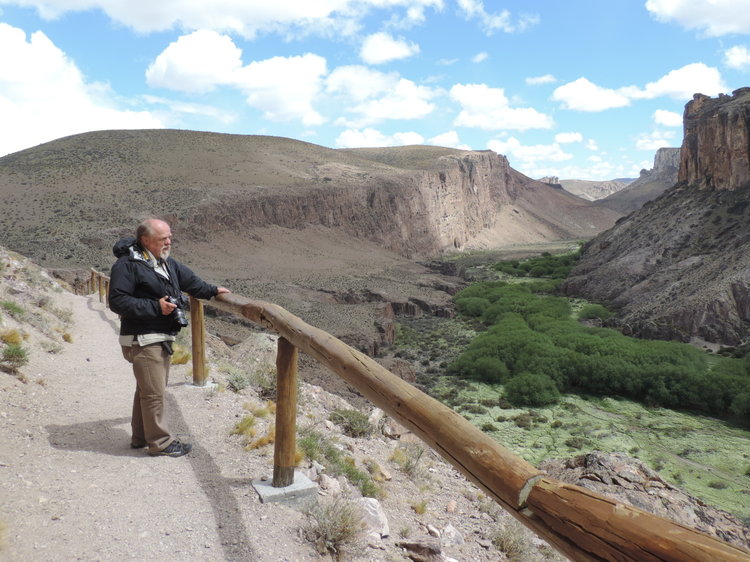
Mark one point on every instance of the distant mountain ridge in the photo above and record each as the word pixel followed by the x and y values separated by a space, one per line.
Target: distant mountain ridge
pixel 587 189
pixel 679 268
pixel 649 185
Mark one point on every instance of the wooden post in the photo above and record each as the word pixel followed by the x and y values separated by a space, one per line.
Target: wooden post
pixel 285 445
pixel 92 280
pixel 100 286
pixel 198 332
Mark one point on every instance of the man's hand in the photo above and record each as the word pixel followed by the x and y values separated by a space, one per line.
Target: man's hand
pixel 166 307
pixel 222 291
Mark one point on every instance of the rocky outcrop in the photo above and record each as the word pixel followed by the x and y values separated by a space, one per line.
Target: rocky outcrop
pixel 414 212
pixel 649 185
pixel 630 481
pixel 716 147
pixel 679 268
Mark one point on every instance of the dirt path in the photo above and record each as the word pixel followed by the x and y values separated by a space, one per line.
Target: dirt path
pixel 72 488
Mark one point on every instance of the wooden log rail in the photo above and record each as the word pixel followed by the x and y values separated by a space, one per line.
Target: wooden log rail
pixel 580 523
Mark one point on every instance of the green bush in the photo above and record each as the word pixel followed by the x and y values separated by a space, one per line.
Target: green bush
pixel 14 357
pixel 594 311
pixel 353 423
pixel 529 389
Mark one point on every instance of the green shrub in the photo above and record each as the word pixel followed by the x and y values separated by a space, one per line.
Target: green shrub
pixel 353 423
pixel 14 357
pixel 594 311
pixel 237 381
pixel 529 389
pixel 13 309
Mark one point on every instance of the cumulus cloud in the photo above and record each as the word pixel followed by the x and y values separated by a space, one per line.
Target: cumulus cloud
pixel 380 48
pixel 284 88
pixel 667 118
pixel 714 17
pixel 545 79
pixel 592 145
pixel 529 159
pixel 655 140
pixel 450 140
pixel 44 96
pixel 567 138
pixel 737 57
pixel 196 63
pixel 372 96
pixel 475 10
pixel 583 95
pixel 681 84
pixel 358 138
pixel 247 18
pixel 488 108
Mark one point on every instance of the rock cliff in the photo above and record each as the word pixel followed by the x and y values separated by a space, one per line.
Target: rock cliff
pixel 680 267
pixel 649 185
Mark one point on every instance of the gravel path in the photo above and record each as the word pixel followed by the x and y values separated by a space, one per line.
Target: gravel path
pixel 73 489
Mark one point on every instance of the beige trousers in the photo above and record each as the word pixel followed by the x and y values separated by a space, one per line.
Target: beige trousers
pixel 151 370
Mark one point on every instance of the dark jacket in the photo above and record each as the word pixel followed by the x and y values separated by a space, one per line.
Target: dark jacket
pixel 135 289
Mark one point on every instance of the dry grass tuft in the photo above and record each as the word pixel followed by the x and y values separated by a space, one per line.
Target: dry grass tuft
pixel 334 526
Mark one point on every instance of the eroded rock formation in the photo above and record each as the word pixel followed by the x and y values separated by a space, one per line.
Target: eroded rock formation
pixel 679 268
pixel 629 480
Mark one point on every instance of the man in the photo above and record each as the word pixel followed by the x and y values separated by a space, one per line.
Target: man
pixel 145 284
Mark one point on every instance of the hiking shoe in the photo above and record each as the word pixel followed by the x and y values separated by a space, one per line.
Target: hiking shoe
pixel 174 449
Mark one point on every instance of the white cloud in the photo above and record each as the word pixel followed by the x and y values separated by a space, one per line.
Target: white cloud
pixel 358 138
pixel 44 96
pixel 450 140
pixel 667 118
pixel 682 83
pixel 592 145
pixel 475 10
pixel 566 138
pixel 545 79
pixel 716 17
pixel 655 140
pixel 373 96
pixel 737 57
pixel 479 57
pixel 583 95
pixel 197 62
pixel 380 48
pixel 529 159
pixel 488 108
pixel 284 88
pixel 246 18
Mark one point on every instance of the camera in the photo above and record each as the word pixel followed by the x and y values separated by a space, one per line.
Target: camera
pixel 179 313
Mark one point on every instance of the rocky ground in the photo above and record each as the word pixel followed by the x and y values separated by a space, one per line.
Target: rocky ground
pixel 72 488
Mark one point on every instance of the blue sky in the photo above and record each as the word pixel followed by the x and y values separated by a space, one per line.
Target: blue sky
pixel 585 89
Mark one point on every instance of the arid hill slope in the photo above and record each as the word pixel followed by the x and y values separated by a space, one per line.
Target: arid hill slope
pixel 680 267
pixel 308 227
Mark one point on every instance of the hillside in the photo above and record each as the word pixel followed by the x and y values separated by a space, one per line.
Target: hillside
pixel 679 268
pixel 336 235
pixel 72 487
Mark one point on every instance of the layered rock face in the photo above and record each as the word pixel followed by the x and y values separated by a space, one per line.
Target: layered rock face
pixel 716 148
pixel 680 267
pixel 415 212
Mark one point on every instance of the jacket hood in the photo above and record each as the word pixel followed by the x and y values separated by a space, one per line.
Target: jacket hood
pixel 122 246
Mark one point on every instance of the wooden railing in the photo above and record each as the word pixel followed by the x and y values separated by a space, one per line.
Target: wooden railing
pixel 580 523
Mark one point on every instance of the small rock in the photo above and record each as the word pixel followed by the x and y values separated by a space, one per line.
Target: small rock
pixel 433 531
pixel 373 516
pixel 451 506
pixel 451 535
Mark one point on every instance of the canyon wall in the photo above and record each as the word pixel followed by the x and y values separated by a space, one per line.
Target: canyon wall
pixel 679 268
